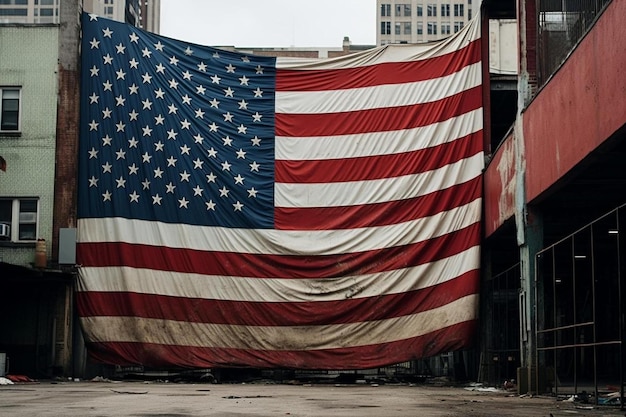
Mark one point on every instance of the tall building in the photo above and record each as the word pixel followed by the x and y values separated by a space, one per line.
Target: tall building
pixel 414 21
pixel 29 11
pixel 144 14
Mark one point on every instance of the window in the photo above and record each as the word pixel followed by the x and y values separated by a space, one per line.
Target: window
pixel 13 12
pixel 445 10
pixel 431 10
pixel 385 9
pixel 407 28
pixel 431 28
pixel 10 109
pixel 458 10
pixel 20 215
pixel 403 10
pixel 458 26
pixel 397 28
pixel 420 28
pixel 469 13
pixel 445 28
pixel 385 28
pixel 420 10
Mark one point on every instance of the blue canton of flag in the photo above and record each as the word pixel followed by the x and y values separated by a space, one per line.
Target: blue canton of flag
pixel 174 132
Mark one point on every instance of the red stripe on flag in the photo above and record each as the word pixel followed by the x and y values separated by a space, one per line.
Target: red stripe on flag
pixel 378 120
pixel 458 336
pixel 385 73
pixel 276 266
pixel 276 313
pixel 379 166
pixel 380 214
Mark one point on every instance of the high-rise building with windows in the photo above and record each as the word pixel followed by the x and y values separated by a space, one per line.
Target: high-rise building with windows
pixel 144 14
pixel 414 21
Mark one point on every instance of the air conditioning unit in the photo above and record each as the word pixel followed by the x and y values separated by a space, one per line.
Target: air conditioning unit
pixel 5 231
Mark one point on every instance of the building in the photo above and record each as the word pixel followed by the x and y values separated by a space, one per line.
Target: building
pixel 414 21
pixel 295 52
pixel 35 324
pixel 145 15
pixel 555 189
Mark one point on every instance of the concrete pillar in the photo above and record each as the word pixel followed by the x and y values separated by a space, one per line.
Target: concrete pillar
pixel 528 222
pixel 532 231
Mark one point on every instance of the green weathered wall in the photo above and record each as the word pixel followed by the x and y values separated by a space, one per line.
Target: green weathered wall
pixel 28 58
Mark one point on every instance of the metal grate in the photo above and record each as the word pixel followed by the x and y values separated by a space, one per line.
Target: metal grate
pixel 562 23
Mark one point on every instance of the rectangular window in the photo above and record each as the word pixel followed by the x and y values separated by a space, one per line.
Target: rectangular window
pixel 407 10
pixel 398 10
pixel 431 10
pixel 13 12
pixel 458 26
pixel 10 110
pixel 458 10
pixel 385 10
pixel 420 28
pixel 445 28
pixel 385 28
pixel 18 219
pixel 420 10
pixel 397 28
pixel 407 28
pixel 431 28
pixel 445 10
pixel 469 13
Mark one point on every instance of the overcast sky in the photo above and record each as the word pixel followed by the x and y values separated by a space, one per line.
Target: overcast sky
pixel 281 23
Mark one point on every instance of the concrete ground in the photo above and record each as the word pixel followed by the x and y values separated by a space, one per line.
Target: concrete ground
pixel 142 399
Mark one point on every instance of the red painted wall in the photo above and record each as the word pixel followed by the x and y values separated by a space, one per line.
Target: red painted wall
pixel 499 183
pixel 580 107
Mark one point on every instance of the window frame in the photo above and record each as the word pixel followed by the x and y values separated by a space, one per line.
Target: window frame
pixel 431 28
pixel 18 130
pixel 385 28
pixel 407 28
pixel 22 217
pixel 459 10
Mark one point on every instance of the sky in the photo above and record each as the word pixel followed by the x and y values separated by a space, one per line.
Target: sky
pixel 267 23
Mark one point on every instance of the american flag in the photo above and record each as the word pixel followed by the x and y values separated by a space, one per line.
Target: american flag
pixel 236 210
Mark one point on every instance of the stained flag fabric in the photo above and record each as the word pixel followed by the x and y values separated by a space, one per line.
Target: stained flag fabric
pixel 239 210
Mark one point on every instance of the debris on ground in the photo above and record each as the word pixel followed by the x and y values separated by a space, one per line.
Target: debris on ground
pixel 20 379
pixel 5 381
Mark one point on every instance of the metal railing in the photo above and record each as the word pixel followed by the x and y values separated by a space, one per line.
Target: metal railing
pixel 562 23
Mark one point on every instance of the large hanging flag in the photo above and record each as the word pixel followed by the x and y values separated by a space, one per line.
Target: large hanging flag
pixel 239 211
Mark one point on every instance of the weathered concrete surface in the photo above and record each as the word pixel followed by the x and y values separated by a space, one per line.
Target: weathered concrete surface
pixel 170 399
